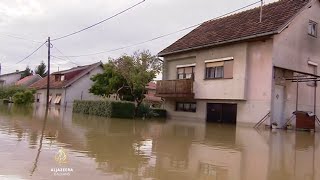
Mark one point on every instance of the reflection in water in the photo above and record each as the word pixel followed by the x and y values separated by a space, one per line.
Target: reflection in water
pixel 99 148
pixel 41 141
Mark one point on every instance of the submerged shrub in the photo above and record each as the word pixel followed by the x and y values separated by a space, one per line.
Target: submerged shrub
pixel 144 110
pixel 25 97
pixel 105 108
pixel 7 92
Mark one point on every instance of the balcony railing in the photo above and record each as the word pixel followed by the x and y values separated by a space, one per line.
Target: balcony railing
pixel 175 88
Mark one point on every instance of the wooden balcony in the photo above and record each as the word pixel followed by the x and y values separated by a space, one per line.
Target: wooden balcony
pixel 175 88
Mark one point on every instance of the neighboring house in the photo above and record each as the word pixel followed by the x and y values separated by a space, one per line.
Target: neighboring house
pixel 69 85
pixel 27 81
pixel 10 79
pixel 237 69
pixel 150 95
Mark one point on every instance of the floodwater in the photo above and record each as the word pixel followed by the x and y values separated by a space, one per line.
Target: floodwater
pixel 73 146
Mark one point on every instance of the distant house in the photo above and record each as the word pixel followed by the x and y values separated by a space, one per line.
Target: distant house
pixel 150 95
pixel 10 78
pixel 68 85
pixel 238 69
pixel 29 80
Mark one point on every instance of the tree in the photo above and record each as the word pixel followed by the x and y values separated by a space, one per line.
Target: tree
pixel 26 72
pixel 127 76
pixel 41 69
pixel 24 98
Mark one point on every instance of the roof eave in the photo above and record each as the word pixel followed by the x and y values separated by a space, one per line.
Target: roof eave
pixel 219 43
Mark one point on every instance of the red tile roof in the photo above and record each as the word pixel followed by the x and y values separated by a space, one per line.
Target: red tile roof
pixel 28 80
pixel 71 76
pixel 151 85
pixel 236 27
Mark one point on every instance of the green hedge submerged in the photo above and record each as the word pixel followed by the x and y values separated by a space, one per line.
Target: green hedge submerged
pixel 116 109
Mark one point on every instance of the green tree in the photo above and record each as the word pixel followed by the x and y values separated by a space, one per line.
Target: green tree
pixel 41 69
pixel 26 72
pixel 23 98
pixel 127 76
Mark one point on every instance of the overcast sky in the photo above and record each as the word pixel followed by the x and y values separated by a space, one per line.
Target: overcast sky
pixel 38 19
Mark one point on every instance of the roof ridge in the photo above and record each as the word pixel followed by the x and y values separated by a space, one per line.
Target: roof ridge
pixel 238 26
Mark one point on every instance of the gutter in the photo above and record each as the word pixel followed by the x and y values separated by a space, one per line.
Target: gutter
pixel 219 43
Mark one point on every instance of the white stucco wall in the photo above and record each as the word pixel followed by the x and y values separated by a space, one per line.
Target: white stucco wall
pixel 252 80
pixel 293 47
pixel 214 88
pixel 77 91
pixel 10 79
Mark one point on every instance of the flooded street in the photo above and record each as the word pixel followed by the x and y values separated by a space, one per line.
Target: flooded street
pixel 74 146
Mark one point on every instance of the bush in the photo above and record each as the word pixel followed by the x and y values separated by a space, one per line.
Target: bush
pixel 25 97
pixel 161 113
pixel 8 91
pixel 122 109
pixel 144 110
pixel 105 108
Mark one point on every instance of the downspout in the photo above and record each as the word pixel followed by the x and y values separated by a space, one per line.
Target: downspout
pixel 65 98
pixel 297 95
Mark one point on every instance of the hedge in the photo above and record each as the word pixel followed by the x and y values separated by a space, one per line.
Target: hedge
pixel 144 110
pixel 116 109
pixel 112 109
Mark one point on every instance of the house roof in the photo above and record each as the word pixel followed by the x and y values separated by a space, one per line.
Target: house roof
pixel 240 26
pixel 151 85
pixel 74 74
pixel 27 81
pixel 17 72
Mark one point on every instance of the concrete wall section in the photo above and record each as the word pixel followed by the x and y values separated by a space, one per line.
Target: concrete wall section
pixel 222 88
pixel 10 79
pixel 215 88
pixel 293 47
pixel 79 90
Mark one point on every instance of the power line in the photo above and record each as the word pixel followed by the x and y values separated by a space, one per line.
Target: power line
pixel 64 60
pixel 63 56
pixel 20 38
pixel 121 12
pixel 31 53
pixel 162 36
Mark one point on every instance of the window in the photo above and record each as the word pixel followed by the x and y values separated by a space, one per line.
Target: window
pixel 187 107
pixel 312 29
pixel 62 78
pixel 50 98
pixel 214 72
pixel 57 100
pixel 38 97
pixel 218 70
pixel 185 72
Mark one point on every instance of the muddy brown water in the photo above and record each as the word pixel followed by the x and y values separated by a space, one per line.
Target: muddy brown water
pixel 74 146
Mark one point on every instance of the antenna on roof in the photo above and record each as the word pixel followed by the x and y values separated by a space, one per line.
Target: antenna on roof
pixel 261 10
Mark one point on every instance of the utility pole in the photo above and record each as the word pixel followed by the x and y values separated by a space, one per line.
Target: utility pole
pixel 48 74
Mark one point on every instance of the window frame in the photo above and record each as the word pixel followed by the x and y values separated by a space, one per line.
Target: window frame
pixel 184 74
pixel 214 72
pixel 310 26
pixel 184 109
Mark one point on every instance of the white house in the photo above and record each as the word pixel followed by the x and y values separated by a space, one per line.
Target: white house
pixel 238 69
pixel 10 78
pixel 68 85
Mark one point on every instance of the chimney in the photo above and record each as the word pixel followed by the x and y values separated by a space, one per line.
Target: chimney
pixel 261 13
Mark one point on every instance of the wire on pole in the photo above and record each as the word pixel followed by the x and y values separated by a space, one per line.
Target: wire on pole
pixel 31 53
pixel 86 28
pixel 162 36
